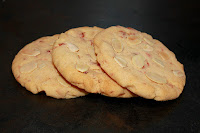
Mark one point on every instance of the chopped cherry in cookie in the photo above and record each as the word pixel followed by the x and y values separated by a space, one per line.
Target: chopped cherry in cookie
pixel 122 32
pixel 82 34
pixel 92 43
pixel 147 63
pixel 149 55
pixel 61 44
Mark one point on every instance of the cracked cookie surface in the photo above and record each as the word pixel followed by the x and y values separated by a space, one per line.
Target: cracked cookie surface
pixel 33 68
pixel 139 63
pixel 74 57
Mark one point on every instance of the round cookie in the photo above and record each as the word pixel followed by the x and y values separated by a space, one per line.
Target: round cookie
pixel 74 57
pixel 139 63
pixel 33 68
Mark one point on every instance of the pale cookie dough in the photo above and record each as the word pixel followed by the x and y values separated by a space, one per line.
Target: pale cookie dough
pixel 33 68
pixel 74 57
pixel 140 63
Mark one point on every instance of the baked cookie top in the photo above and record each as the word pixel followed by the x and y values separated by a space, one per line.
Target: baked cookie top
pixel 139 63
pixel 74 57
pixel 33 68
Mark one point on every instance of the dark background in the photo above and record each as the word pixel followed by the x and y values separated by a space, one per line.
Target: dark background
pixel 175 23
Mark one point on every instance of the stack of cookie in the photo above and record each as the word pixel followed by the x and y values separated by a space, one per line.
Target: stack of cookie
pixel 115 62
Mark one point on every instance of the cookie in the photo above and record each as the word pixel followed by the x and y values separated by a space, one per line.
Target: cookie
pixel 139 63
pixel 33 68
pixel 74 57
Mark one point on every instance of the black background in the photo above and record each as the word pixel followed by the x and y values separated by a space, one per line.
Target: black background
pixel 175 23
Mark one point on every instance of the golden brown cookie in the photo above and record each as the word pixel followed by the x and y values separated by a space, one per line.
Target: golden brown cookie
pixel 33 68
pixel 74 57
pixel 139 63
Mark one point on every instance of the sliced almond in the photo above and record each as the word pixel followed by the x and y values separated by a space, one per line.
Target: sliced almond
pixel 146 47
pixel 121 61
pixel 31 52
pixel 138 61
pixel 82 67
pixel 148 41
pixel 178 73
pixel 91 53
pixel 29 67
pixel 133 40
pixel 156 78
pixel 72 47
pixel 117 45
pixel 159 62
pixel 62 81
pixel 164 56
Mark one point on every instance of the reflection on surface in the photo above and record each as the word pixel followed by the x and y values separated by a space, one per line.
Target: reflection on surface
pixel 90 113
pixel 96 112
